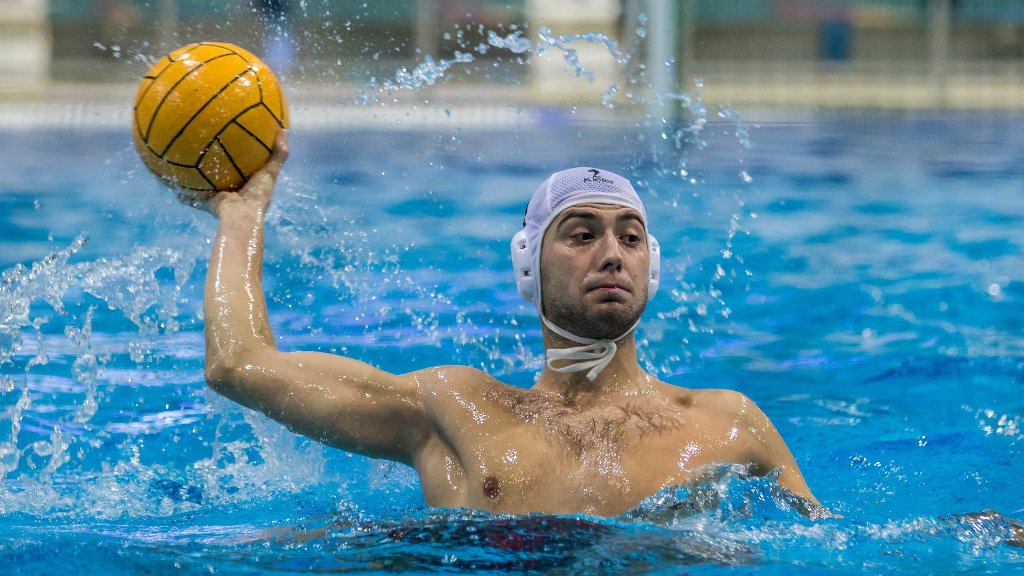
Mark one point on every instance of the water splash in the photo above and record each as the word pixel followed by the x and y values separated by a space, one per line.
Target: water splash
pixel 735 520
pixel 426 74
pixel 513 42
pixel 143 286
pixel 430 71
pixel 993 422
pixel 608 98
pixel 742 131
pixel 548 41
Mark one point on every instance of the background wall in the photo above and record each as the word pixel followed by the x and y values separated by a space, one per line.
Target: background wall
pixel 793 53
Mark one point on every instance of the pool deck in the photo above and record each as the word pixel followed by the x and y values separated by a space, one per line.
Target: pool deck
pixel 108 105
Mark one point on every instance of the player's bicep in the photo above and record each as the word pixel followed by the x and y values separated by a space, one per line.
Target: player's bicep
pixel 338 401
pixel 769 452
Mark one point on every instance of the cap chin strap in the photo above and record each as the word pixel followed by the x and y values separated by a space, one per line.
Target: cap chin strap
pixel 594 355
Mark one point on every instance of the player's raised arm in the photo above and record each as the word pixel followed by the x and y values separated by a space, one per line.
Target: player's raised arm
pixel 338 401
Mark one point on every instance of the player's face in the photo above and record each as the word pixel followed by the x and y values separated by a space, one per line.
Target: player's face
pixel 594 264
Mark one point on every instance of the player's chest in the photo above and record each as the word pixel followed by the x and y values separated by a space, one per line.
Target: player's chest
pixel 526 472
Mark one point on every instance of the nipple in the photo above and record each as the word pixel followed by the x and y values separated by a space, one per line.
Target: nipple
pixel 492 488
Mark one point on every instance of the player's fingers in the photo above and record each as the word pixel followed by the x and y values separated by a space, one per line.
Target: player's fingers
pixel 280 153
pixel 261 184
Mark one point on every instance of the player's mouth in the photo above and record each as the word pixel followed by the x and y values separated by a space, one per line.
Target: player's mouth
pixel 608 290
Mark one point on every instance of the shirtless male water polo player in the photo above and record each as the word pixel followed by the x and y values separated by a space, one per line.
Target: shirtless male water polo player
pixel 596 434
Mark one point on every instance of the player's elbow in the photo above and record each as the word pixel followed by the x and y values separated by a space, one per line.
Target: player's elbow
pixel 224 372
pixel 219 374
pixel 228 363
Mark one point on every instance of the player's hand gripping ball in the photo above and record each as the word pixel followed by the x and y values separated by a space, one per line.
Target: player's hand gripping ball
pixel 206 117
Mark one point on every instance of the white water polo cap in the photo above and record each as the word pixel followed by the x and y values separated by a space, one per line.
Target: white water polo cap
pixel 560 191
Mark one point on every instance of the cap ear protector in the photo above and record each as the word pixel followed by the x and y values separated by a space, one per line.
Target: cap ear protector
pixel 529 284
pixel 522 262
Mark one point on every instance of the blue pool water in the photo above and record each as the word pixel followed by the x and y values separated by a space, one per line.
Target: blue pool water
pixel 860 276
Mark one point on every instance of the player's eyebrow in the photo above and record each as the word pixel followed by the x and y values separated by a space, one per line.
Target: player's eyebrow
pixel 586 214
pixel 571 213
pixel 631 216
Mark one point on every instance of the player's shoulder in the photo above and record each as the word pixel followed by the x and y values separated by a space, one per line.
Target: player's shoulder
pixel 449 391
pixel 723 401
pixel 454 378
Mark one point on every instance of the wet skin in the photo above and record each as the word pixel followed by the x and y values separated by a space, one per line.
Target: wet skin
pixel 566 445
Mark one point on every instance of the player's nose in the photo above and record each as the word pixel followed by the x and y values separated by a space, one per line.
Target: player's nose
pixel 610 254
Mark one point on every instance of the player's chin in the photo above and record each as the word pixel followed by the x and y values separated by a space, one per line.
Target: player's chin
pixel 611 319
pixel 612 308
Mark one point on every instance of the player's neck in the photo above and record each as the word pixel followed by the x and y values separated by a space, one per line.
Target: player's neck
pixel 623 376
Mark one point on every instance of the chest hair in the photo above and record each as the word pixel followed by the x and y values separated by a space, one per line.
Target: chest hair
pixel 598 428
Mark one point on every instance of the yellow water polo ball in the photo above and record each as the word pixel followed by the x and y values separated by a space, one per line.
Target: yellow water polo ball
pixel 206 116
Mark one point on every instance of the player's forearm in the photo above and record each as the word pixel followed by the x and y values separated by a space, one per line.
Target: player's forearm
pixel 235 307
